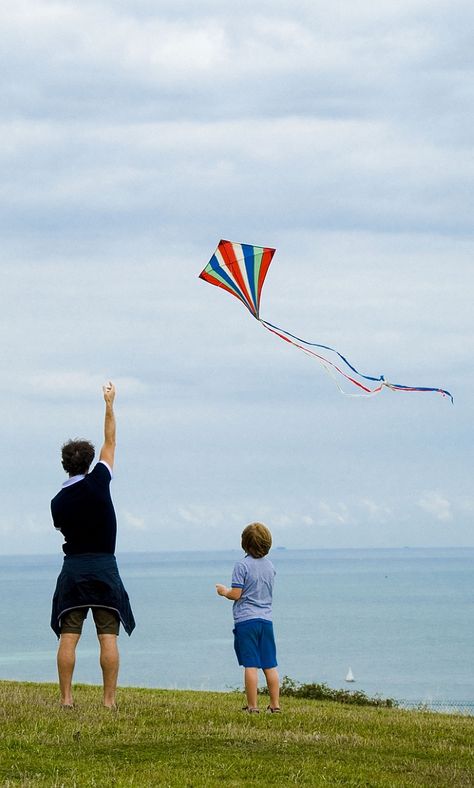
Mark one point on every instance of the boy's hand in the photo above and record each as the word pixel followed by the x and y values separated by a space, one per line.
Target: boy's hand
pixel 230 593
pixel 221 590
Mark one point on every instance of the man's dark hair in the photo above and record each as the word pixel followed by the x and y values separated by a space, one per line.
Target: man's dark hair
pixel 77 456
pixel 256 540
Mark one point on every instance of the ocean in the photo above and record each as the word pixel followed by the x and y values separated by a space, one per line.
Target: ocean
pixel 401 619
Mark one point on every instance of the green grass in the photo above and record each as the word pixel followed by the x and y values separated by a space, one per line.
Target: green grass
pixel 295 689
pixel 178 738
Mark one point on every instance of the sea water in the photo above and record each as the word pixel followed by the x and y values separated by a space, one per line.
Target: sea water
pixel 401 619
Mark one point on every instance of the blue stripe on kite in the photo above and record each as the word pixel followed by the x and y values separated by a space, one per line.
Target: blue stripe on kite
pixel 333 350
pixel 214 263
pixel 249 257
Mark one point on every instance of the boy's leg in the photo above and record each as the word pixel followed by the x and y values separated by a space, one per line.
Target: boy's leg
pixel 66 660
pixel 251 685
pixel 109 662
pixel 273 684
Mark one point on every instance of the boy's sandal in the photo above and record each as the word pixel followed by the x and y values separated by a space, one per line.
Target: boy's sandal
pixel 250 710
pixel 273 710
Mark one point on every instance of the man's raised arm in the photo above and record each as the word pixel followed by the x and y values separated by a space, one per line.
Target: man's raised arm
pixel 107 452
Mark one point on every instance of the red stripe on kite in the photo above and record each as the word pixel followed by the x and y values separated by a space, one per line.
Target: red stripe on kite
pixel 267 257
pixel 209 278
pixel 227 251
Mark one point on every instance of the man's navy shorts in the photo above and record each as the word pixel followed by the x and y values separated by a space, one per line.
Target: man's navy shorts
pixel 254 644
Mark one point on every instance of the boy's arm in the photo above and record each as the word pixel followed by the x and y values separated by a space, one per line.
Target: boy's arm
pixel 229 593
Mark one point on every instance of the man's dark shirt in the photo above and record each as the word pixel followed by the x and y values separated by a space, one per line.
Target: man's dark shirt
pixel 85 515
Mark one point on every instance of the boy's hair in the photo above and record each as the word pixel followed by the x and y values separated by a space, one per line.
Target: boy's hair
pixel 256 540
pixel 77 456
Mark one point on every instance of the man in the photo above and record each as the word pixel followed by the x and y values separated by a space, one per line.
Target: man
pixel 84 513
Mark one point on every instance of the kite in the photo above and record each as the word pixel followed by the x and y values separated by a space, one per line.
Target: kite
pixel 241 270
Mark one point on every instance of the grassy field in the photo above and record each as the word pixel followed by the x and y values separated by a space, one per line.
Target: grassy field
pixel 178 738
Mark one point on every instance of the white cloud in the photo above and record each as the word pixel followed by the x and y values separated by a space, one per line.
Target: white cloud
pixel 333 513
pixel 376 511
pixel 466 505
pixel 134 522
pixel 6 526
pixel 34 524
pixel 275 519
pixel 202 515
pixel 436 505
pixel 282 520
pixel 69 384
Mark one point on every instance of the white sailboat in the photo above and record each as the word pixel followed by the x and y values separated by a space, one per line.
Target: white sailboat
pixel 350 675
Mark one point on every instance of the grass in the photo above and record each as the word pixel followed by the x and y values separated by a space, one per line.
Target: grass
pixel 182 738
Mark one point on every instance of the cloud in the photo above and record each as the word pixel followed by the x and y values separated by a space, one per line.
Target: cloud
pixel 134 522
pixel 333 513
pixel 466 505
pixel 204 515
pixel 436 505
pixel 131 123
pixel 104 58
pixel 7 527
pixel 69 384
pixel 376 511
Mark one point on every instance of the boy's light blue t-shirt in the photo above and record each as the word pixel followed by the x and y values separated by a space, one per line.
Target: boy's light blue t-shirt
pixel 255 577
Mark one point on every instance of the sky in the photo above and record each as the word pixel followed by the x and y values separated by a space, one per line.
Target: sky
pixel 135 135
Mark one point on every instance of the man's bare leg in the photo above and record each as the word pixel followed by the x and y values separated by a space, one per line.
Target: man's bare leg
pixel 66 660
pixel 251 684
pixel 273 684
pixel 109 662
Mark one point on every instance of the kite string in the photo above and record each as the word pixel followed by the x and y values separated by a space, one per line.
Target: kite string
pixel 329 366
pixel 333 375
pixel 325 362
pixel 378 379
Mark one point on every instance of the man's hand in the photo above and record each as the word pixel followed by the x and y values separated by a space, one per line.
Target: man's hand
pixel 107 453
pixel 109 393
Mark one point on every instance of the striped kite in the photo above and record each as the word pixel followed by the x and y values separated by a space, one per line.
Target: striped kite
pixel 241 270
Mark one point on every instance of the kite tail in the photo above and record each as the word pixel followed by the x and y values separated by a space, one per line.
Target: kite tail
pixel 331 368
pixel 400 387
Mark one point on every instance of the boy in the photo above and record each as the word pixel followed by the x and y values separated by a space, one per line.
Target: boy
pixel 251 592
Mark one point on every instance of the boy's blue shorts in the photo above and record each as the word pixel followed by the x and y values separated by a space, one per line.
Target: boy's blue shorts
pixel 254 644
